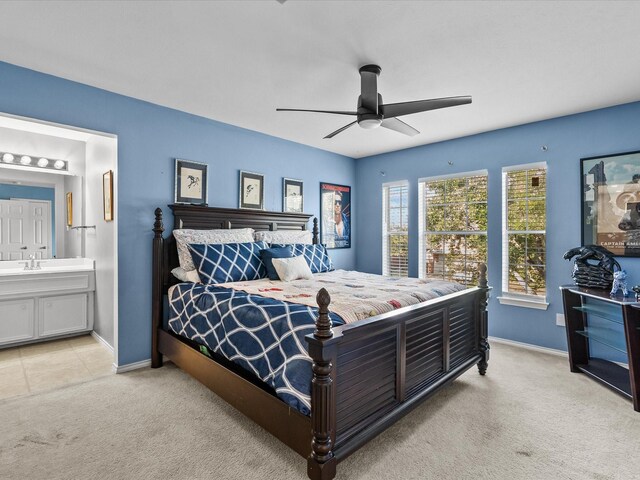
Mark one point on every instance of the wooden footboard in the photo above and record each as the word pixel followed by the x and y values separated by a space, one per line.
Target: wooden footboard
pixel 369 374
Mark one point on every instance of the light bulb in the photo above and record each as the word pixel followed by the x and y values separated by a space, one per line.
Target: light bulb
pixel 25 160
pixel 43 162
pixel 59 165
pixel 7 158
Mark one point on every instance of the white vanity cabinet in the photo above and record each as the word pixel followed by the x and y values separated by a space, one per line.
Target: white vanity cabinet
pixel 45 304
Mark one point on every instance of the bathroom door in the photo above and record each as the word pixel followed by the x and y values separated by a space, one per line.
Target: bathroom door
pixel 25 229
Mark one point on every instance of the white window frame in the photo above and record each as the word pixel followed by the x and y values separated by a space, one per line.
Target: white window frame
pixel 385 222
pixel 421 213
pixel 518 299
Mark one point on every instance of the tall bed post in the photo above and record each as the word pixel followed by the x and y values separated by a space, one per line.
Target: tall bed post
pixel 156 307
pixel 321 464
pixel 484 326
pixel 315 231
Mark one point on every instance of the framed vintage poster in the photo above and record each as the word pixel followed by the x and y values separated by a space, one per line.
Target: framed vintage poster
pixel 251 190
pixel 611 202
pixel 335 215
pixel 107 195
pixel 292 195
pixel 191 182
pixel 69 209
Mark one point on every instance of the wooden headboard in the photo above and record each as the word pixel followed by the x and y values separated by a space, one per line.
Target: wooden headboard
pixel 204 218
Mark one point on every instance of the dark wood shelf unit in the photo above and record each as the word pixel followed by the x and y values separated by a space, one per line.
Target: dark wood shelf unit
pixel 579 304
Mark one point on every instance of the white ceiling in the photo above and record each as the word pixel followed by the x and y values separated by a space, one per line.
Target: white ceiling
pixel 237 61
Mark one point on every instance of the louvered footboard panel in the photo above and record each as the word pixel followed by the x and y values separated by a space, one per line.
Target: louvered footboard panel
pixel 425 350
pixel 463 333
pixel 366 382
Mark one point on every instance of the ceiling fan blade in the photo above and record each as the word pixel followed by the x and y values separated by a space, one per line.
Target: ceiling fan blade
pixel 407 108
pixel 399 126
pixel 335 112
pixel 333 134
pixel 369 87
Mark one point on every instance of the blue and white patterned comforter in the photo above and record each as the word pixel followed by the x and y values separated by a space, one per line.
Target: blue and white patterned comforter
pixel 263 335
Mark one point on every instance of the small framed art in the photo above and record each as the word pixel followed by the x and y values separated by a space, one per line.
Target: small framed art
pixel 191 182
pixel 335 215
pixel 69 209
pixel 251 190
pixel 292 195
pixel 107 195
pixel 611 202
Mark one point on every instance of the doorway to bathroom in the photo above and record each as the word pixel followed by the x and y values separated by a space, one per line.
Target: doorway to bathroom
pixel 58 251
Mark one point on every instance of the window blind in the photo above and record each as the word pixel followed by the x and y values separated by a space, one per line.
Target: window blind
pixel 395 228
pixel 524 221
pixel 453 227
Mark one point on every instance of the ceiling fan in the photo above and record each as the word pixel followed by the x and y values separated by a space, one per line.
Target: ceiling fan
pixel 372 113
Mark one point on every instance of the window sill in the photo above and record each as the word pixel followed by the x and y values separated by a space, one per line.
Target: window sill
pixel 541 304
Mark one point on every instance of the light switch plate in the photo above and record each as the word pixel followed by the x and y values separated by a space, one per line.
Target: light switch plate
pixel 560 319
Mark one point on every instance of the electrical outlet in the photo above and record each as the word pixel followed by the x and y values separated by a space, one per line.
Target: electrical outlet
pixel 560 319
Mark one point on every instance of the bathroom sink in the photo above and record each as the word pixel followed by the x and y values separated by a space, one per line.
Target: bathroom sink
pixel 50 265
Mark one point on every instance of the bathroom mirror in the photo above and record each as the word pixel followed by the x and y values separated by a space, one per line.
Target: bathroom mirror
pixel 33 215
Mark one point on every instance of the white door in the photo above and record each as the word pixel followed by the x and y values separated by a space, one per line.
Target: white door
pixel 39 244
pixel 25 229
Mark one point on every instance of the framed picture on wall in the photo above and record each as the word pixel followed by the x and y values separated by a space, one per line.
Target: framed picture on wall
pixel 292 195
pixel 107 195
pixel 251 190
pixel 191 182
pixel 335 215
pixel 611 202
pixel 69 209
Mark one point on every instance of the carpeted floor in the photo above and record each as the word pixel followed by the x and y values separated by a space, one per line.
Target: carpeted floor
pixel 530 418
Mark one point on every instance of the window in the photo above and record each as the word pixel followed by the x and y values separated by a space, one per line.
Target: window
pixel 395 228
pixel 524 221
pixel 453 226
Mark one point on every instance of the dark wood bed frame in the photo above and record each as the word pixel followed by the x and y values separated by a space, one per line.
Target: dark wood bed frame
pixel 366 375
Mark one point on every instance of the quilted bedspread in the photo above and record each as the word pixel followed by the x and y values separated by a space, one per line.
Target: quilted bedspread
pixel 354 295
pixel 263 335
pixel 261 324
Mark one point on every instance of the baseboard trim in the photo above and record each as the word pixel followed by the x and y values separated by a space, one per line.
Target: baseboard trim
pixel 131 366
pixel 528 346
pixel 102 341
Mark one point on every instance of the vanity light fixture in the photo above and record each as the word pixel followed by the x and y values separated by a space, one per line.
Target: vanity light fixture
pixel 30 162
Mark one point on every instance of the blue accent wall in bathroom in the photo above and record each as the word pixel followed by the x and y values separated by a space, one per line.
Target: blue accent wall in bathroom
pixel 9 191
pixel 150 137
pixel 568 139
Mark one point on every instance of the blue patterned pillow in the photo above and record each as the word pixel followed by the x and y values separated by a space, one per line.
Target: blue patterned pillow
pixel 315 255
pixel 228 262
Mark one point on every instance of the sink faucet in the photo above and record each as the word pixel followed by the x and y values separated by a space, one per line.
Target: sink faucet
pixel 32 262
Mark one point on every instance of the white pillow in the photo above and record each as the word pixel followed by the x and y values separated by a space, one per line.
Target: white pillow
pixel 184 276
pixel 293 268
pixel 284 237
pixel 186 236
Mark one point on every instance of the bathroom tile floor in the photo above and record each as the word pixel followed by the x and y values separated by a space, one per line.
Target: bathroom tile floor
pixel 44 366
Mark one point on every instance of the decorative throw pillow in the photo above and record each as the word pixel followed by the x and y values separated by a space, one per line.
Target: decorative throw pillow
pixel 269 254
pixel 228 262
pixel 292 268
pixel 316 256
pixel 286 237
pixel 186 236
pixel 184 276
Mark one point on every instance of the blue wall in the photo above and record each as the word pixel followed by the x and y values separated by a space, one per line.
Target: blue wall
pixel 149 138
pixel 568 139
pixel 9 191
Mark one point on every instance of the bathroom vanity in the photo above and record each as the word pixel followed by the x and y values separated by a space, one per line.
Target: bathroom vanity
pixel 40 304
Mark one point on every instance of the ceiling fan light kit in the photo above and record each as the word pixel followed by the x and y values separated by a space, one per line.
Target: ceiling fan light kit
pixel 372 113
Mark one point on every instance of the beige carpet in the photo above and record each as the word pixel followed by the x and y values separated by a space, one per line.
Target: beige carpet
pixel 529 418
